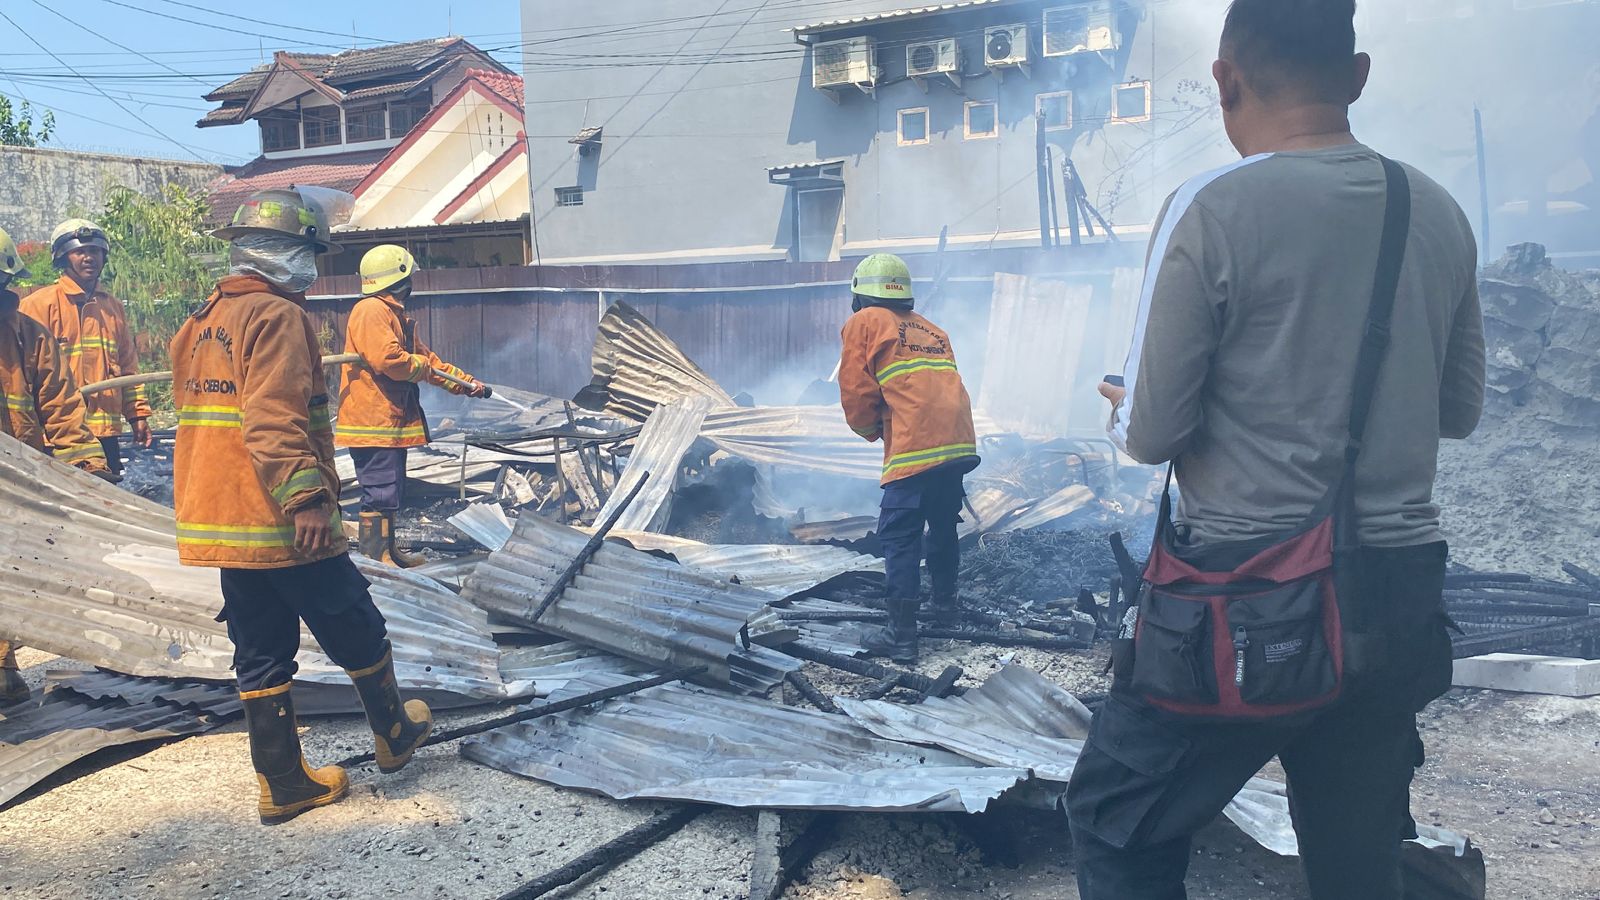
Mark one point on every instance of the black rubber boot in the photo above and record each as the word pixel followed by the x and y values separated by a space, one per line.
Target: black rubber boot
pixel 946 610
pixel 897 639
pixel 288 786
pixel 375 540
pixel 397 728
pixel 12 688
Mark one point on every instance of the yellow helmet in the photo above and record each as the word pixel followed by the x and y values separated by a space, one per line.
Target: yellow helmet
pixel 10 260
pixel 883 276
pixel 385 266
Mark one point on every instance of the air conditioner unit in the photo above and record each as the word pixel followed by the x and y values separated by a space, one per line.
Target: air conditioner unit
pixel 1085 28
pixel 843 63
pixel 1005 45
pixel 932 58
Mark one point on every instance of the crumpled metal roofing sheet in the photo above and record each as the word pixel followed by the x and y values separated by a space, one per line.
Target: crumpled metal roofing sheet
pixel 639 367
pixel 782 570
pixel 1021 719
pixel 91 711
pixel 635 605
pixel 667 435
pixel 677 743
pixel 94 576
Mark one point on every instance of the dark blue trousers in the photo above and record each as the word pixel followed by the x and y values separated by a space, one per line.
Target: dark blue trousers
pixel 918 520
pixel 381 471
pixel 263 609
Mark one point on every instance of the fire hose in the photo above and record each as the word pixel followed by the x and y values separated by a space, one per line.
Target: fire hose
pixel 342 359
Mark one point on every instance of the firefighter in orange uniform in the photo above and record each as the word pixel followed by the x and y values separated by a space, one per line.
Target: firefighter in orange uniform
pixel 380 407
pixel 257 497
pixel 898 383
pixel 92 327
pixel 41 408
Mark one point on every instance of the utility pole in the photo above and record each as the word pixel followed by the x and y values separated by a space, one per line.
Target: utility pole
pixel 1483 188
pixel 1042 171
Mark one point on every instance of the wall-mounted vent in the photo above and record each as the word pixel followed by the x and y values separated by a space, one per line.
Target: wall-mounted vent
pixel 1085 28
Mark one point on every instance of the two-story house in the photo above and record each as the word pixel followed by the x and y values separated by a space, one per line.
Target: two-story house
pixel 428 135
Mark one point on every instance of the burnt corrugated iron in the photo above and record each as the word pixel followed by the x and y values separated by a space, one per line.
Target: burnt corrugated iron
pixel 94 576
pixel 635 605
pixel 678 743
pixel 782 570
pixel 637 368
pixel 1021 719
pixel 667 435
pixel 84 713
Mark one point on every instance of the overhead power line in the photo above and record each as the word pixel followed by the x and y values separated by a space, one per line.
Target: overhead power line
pixel 140 119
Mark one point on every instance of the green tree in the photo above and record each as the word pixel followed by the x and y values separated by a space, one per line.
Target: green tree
pixel 16 124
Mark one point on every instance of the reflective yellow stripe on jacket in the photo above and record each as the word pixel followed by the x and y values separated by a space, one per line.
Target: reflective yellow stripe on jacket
pixel 210 417
pixel 343 431
pixel 250 536
pixel 920 364
pixel 930 457
pixel 19 402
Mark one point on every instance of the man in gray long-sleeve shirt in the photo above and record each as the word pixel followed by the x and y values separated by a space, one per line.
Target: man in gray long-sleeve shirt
pixel 1259 280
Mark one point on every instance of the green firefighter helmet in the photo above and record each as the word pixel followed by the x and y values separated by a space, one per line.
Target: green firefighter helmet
pixel 282 211
pixel 883 276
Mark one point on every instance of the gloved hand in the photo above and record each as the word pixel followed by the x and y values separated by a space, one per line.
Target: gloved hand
pixel 480 391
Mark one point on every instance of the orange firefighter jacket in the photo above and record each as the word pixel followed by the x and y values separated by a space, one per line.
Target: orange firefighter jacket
pixel 39 400
pixel 94 337
pixel 898 381
pixel 380 404
pixel 255 438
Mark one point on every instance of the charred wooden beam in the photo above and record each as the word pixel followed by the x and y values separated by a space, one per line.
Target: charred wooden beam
pixel 613 852
pixel 1570 631
pixel 812 653
pixel 803 685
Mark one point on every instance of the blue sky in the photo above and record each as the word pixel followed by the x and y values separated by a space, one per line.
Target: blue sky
pixel 192 46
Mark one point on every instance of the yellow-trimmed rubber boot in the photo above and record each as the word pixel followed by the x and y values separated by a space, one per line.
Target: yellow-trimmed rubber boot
pixel 398 728
pixel 375 539
pixel 12 688
pixel 289 787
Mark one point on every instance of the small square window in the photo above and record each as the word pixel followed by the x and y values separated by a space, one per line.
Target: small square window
pixel 569 196
pixel 913 128
pixel 280 131
pixel 405 114
pixel 1131 102
pixel 1056 109
pixel 982 120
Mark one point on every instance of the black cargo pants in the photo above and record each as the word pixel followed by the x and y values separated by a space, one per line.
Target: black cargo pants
pixel 917 522
pixel 263 609
pixel 1146 781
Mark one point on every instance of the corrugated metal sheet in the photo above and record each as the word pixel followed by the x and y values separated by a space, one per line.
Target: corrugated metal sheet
pixel 677 743
pixel 781 570
pixel 1020 719
pixel 635 605
pixel 91 711
pixel 553 667
pixel 1036 338
pixel 94 576
pixel 639 367
pixel 814 438
pixel 667 435
pixel 891 15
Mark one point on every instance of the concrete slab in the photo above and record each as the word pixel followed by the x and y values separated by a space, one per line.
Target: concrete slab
pixel 1559 675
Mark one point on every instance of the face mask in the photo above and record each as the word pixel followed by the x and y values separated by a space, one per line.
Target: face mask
pixel 285 261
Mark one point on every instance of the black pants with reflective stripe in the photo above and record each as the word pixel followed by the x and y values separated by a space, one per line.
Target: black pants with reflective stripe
pixel 1147 781
pixel 263 609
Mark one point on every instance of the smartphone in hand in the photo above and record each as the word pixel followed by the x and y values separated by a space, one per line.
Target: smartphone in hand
pixel 1114 380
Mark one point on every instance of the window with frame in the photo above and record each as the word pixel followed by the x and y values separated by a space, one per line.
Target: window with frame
pixel 405 114
pixel 1056 108
pixel 982 120
pixel 322 126
pixel 365 123
pixel 569 196
pixel 912 127
pixel 280 131
pixel 1131 102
